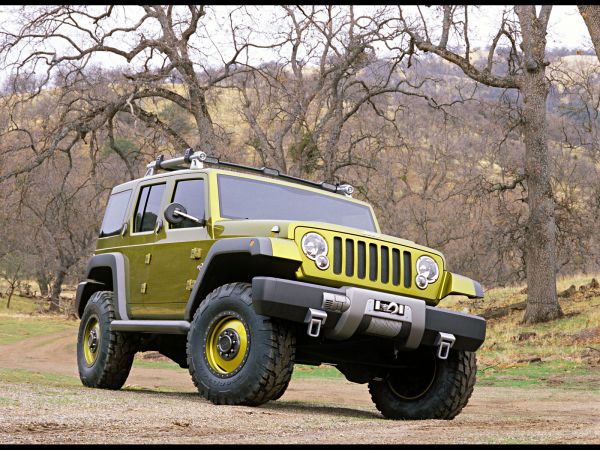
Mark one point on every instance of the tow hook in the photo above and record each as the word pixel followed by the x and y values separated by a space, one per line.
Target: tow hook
pixel 315 318
pixel 444 342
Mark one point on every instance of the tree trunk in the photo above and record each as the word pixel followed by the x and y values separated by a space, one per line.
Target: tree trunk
pixel 591 17
pixel 56 290
pixel 540 245
pixel 43 282
pixel 10 294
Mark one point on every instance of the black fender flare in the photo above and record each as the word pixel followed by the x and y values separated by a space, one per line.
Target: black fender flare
pixel 254 253
pixel 117 282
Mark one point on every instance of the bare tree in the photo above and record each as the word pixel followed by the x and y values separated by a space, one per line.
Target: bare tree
pixel 12 272
pixel 305 110
pixel 165 51
pixel 525 70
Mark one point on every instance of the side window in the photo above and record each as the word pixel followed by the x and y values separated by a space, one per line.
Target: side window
pixel 190 194
pixel 115 214
pixel 147 210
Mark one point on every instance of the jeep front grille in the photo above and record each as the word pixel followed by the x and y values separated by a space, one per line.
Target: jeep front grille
pixel 371 260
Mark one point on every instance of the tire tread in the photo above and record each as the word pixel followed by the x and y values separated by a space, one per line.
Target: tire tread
pixel 120 352
pixel 447 400
pixel 280 354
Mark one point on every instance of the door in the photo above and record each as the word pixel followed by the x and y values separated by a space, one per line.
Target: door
pixel 146 226
pixel 178 251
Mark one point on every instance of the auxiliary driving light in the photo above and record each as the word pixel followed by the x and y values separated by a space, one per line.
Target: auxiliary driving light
pixel 322 262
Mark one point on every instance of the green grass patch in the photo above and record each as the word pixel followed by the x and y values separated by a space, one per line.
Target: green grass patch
pixel 19 305
pixel 562 374
pixel 15 328
pixel 146 364
pixel 322 371
pixel 39 378
pixel 7 401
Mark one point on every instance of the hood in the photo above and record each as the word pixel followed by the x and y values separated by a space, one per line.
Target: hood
pixel 229 228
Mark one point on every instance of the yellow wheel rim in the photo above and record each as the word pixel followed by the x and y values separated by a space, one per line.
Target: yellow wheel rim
pixel 91 341
pixel 226 345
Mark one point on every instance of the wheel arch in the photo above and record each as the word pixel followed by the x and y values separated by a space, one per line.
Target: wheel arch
pixel 105 272
pixel 237 260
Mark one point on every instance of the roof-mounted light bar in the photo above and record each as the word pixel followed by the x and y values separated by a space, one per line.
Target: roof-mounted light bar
pixel 196 160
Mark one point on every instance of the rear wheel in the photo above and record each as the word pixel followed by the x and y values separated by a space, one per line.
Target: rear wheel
pixel 236 356
pixel 104 357
pixel 436 389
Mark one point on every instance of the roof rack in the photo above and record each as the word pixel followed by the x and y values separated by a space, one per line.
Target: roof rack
pixel 196 160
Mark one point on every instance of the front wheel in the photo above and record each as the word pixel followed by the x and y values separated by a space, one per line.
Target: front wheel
pixel 436 389
pixel 236 356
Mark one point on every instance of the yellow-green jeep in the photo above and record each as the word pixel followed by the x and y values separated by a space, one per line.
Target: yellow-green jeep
pixel 239 275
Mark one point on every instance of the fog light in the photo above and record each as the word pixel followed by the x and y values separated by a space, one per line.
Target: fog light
pixel 322 262
pixel 421 281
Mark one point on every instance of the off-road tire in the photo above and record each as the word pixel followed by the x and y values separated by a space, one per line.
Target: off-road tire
pixel 446 397
pixel 268 365
pixel 115 350
pixel 281 391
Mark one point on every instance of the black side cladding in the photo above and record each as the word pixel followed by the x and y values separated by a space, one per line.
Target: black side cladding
pixel 101 274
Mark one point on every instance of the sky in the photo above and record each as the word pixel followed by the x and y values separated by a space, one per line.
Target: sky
pixel 566 28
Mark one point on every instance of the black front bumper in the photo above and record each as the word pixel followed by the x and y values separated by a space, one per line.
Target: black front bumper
pixel 349 311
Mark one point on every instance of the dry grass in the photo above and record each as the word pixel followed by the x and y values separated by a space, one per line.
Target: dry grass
pixel 568 348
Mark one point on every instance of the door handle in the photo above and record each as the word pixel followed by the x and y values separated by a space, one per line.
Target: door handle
pixel 158 227
pixel 124 229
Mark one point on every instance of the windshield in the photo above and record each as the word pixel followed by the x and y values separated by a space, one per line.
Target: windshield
pixel 245 198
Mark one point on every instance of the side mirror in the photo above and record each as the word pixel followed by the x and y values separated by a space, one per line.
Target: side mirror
pixel 124 229
pixel 176 213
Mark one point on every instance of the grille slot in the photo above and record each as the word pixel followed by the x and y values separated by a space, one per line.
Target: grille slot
pixel 372 262
pixel 337 255
pixel 349 257
pixel 385 265
pixel 407 270
pixel 395 267
pixel 362 260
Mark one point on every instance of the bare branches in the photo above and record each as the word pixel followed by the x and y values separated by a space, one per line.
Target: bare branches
pixel 500 187
pixel 157 43
pixel 424 43
pixel 300 115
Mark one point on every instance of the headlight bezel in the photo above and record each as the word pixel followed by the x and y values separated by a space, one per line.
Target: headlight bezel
pixel 420 273
pixel 304 240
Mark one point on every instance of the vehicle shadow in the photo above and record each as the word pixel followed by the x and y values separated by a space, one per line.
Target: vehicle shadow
pixel 279 405
pixel 296 406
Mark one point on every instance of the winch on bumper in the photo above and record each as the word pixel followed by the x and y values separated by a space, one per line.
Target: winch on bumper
pixel 339 313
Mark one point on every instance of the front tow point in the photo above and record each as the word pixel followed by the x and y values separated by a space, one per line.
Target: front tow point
pixel 444 342
pixel 315 318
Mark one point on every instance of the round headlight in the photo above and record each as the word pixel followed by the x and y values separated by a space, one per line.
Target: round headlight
pixel 313 245
pixel 427 267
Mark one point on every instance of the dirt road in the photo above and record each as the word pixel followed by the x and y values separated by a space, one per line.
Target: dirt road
pixel 313 410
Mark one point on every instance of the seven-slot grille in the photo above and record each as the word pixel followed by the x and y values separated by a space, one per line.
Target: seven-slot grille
pixel 357 258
